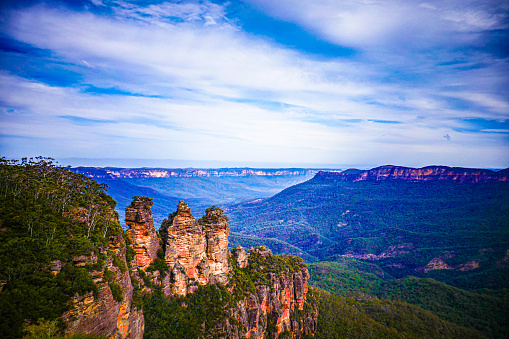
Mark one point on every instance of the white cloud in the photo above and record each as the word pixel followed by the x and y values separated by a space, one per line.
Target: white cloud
pixel 427 6
pixel 169 13
pixel 84 62
pixel 391 23
pixel 206 90
pixel 97 2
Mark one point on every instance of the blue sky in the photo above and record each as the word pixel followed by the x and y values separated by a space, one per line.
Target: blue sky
pixel 287 82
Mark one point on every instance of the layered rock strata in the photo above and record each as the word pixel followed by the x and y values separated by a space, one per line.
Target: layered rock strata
pixel 114 173
pixel 428 173
pixel 101 314
pixel 143 235
pixel 241 256
pixel 277 306
pixel 196 251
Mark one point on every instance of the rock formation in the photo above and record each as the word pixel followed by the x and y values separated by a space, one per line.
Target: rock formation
pixel 435 264
pixel 428 173
pixel 241 256
pixel 269 292
pixel 271 309
pixel 143 235
pixel 196 252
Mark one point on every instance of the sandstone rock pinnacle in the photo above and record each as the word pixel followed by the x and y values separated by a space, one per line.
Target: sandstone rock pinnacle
pixel 143 235
pixel 196 251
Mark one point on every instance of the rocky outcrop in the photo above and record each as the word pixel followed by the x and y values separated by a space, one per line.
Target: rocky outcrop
pixel 267 294
pixel 270 290
pixel 391 252
pixel 110 311
pixel 215 227
pixel 143 235
pixel 196 251
pixel 435 264
pixel 469 266
pixel 277 305
pixel 428 173
pixel 241 256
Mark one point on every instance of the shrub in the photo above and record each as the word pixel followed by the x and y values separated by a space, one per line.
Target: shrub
pixel 77 280
pixel 43 329
pixel 119 263
pixel 116 291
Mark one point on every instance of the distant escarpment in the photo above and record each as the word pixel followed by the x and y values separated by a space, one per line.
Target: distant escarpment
pixel 428 173
pixel 123 173
pixel 262 295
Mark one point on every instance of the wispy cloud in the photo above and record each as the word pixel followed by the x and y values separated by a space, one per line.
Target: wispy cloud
pixel 389 23
pixel 186 81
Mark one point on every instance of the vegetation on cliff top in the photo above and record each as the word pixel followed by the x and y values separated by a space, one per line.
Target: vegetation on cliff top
pixel 49 217
pixel 190 317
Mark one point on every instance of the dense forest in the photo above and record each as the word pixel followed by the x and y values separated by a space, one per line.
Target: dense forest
pixel 48 216
pixel 483 310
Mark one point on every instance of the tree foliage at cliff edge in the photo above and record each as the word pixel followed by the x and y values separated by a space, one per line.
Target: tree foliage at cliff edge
pixel 48 216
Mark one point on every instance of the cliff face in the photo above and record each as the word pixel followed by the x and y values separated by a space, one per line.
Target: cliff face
pixel 95 172
pixel 110 312
pixel 429 173
pixel 264 295
pixel 277 305
pixel 142 232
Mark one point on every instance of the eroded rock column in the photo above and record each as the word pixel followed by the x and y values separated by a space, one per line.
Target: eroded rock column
pixel 215 224
pixel 143 235
pixel 196 251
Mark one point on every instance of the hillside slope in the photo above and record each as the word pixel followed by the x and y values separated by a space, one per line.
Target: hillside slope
pixel 370 317
pixel 62 254
pixel 445 229
pixel 483 310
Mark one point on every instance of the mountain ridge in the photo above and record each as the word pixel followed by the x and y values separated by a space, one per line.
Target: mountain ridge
pixel 201 188
pixel 409 226
pixel 116 172
pixel 427 173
